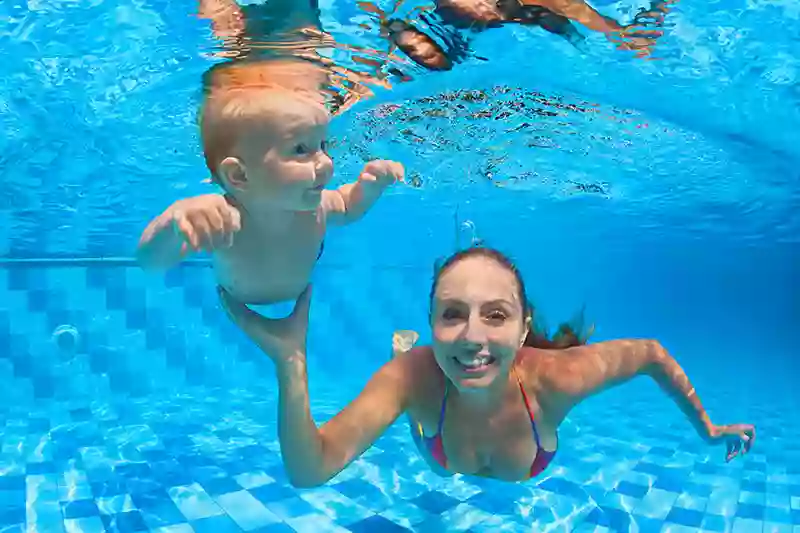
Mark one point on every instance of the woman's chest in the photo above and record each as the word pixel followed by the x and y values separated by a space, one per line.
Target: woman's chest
pixel 502 445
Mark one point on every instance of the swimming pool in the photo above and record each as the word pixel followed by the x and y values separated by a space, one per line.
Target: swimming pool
pixel 671 212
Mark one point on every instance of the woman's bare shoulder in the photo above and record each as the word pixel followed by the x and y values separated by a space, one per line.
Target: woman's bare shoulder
pixel 421 370
pixel 538 367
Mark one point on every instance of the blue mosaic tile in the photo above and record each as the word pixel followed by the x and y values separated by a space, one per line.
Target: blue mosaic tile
pixel 80 508
pixel 124 522
pixel 376 524
pixel 685 517
pixel 493 502
pixel 10 516
pixel 275 528
pixel 609 517
pixel 220 485
pixel 752 466
pixel 647 525
pixel 44 467
pixel 290 508
pixel 110 487
pixel 273 492
pixel 562 487
pixel 435 502
pixel 696 489
pixel 779 516
pixel 216 524
pixel 754 486
pixel 669 483
pixel 747 510
pixel 12 483
pixel 160 513
pixel 631 489
pixel 358 488
pixel 20 279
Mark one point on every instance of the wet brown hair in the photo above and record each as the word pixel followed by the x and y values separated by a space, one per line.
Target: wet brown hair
pixel 566 336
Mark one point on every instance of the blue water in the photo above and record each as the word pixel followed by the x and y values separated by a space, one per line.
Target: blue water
pixel 673 212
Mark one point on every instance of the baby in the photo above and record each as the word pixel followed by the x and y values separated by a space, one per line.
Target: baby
pixel 265 147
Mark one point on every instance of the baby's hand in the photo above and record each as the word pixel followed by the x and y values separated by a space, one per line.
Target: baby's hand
pixel 206 222
pixel 382 173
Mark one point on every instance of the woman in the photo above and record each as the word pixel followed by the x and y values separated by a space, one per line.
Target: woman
pixel 483 402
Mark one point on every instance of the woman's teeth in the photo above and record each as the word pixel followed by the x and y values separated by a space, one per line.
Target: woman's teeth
pixel 475 362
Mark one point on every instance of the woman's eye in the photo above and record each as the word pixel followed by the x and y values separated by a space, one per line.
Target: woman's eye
pixel 496 316
pixel 301 149
pixel 450 314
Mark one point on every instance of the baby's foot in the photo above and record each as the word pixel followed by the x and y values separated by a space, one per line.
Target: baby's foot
pixel 403 340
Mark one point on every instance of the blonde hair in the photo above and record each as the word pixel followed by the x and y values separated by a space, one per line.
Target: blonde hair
pixel 240 94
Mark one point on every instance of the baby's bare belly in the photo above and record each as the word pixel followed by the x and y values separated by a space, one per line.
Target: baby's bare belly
pixel 260 284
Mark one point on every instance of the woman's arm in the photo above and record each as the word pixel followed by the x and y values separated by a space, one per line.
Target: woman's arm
pixel 573 375
pixel 312 455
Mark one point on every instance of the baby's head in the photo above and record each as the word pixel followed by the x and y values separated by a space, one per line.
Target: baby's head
pixel 266 146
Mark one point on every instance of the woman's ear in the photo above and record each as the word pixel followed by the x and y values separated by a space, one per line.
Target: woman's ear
pixel 526 330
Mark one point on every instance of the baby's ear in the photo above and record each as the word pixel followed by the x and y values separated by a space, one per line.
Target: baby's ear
pixel 233 173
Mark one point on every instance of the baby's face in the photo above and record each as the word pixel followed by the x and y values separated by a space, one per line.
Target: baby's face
pixel 285 156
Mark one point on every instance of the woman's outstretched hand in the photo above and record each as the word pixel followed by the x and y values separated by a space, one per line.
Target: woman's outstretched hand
pixel 281 339
pixel 739 438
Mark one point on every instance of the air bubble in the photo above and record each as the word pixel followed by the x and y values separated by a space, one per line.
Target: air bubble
pixel 469 227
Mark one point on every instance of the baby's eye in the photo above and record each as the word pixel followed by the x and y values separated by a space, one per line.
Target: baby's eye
pixel 302 149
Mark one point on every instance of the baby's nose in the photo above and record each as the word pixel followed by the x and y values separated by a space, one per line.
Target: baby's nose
pixel 324 166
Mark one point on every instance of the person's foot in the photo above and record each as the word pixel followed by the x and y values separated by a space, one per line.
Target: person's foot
pixel 403 340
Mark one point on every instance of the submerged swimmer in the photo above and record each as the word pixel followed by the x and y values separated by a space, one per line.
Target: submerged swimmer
pixel 485 399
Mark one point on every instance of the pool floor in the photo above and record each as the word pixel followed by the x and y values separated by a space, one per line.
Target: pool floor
pixel 164 421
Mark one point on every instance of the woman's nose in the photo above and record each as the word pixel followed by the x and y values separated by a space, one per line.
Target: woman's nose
pixel 475 331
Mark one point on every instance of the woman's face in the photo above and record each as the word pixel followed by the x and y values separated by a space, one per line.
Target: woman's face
pixel 478 322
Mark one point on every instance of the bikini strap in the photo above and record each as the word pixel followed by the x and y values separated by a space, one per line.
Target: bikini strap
pixel 444 406
pixel 527 406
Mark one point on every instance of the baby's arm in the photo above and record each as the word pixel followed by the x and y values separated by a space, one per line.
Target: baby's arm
pixel 351 201
pixel 205 222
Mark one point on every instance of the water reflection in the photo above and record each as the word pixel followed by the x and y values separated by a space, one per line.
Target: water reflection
pixel 283 43
pixel 434 36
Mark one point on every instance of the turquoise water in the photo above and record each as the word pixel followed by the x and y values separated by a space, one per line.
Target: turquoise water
pixel 671 212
